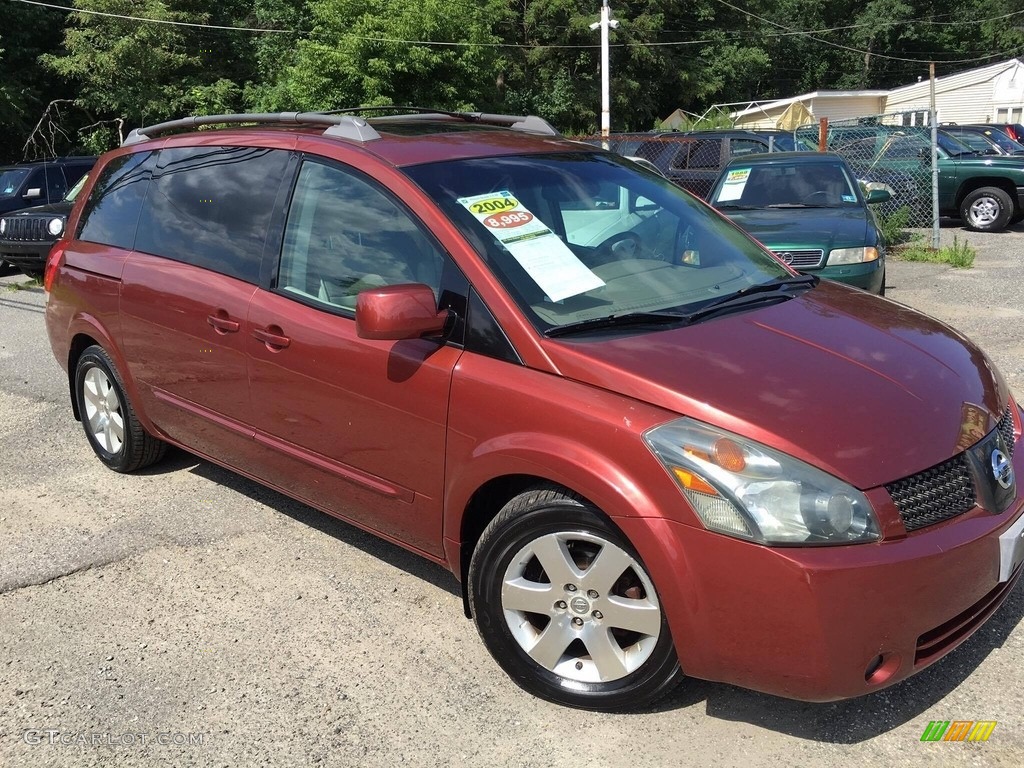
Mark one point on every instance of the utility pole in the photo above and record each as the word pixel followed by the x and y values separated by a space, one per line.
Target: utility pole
pixel 605 24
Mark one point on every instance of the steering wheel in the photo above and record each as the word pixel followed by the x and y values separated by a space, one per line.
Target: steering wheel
pixel 622 245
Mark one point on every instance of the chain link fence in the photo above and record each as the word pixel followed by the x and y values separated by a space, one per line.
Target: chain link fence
pixel 881 150
pixel 878 148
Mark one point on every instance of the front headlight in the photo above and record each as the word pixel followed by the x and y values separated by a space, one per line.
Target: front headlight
pixel 851 255
pixel 747 490
pixel 3 226
pixel 55 226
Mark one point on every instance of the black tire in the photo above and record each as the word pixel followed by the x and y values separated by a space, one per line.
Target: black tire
pixel 881 288
pixel 109 420
pixel 987 209
pixel 638 663
pixel 6 268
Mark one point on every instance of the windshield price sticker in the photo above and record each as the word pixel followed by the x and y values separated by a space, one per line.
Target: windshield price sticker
pixel 735 183
pixel 546 259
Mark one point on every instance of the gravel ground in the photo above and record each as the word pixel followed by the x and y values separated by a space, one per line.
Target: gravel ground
pixel 186 616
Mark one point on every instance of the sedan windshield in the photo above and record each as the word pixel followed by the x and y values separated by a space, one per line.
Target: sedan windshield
pixel 577 237
pixel 824 184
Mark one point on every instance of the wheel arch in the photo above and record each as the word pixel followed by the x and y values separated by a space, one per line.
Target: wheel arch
pixel 85 332
pixel 979 182
pixel 478 494
pixel 79 343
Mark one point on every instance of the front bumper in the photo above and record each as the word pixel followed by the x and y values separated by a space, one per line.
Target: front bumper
pixel 868 276
pixel 826 623
pixel 28 256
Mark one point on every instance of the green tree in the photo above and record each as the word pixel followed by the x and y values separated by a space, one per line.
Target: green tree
pixel 372 52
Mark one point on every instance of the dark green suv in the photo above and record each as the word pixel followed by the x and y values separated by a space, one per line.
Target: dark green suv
pixel 985 191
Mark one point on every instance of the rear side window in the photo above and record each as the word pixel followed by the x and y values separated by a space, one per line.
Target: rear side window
pixel 112 211
pixel 705 154
pixel 211 207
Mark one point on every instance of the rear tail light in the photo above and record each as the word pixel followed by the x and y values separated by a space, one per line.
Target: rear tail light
pixel 53 264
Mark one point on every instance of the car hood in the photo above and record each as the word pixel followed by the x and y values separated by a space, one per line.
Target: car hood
pixel 1015 162
pixel 824 228
pixel 865 388
pixel 57 209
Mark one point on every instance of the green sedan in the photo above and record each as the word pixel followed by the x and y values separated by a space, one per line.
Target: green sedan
pixel 808 209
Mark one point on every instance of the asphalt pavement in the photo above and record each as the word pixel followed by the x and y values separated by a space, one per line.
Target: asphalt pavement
pixel 186 616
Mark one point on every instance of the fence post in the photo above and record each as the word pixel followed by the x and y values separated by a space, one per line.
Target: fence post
pixel 932 120
pixel 823 134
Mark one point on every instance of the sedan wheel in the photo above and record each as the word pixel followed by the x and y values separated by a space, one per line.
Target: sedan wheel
pixel 567 608
pixel 113 430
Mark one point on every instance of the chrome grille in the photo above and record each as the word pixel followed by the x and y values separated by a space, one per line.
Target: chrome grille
pixel 1005 427
pixel 29 228
pixel 944 491
pixel 799 259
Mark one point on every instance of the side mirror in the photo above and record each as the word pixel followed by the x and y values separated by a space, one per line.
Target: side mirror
pixel 33 193
pixel 398 312
pixel 877 195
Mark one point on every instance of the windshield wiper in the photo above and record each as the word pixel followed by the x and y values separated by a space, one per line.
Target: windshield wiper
pixel 616 321
pixel 775 290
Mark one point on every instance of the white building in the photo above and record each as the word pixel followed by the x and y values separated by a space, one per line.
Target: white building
pixel 989 94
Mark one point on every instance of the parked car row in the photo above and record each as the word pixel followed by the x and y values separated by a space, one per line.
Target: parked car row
pixel 981 168
pixel 693 160
pixel 35 199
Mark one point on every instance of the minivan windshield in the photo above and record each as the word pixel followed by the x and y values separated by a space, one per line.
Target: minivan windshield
pixel 580 237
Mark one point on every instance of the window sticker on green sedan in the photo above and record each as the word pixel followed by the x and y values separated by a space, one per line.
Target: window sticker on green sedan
pixel 547 260
pixel 734 185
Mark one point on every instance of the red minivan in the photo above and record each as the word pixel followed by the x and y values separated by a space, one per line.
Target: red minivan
pixel 645 446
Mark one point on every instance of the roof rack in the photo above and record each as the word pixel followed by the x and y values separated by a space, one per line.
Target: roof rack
pixel 341 123
pixel 526 123
pixel 340 126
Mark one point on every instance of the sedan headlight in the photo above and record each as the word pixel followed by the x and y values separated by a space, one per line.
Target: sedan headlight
pixel 3 226
pixel 55 226
pixel 747 490
pixel 852 255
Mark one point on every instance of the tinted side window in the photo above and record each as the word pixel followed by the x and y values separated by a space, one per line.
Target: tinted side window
pixel 705 154
pixel 740 147
pixel 112 211
pixel 36 180
pixel 345 234
pixel 74 172
pixel 56 186
pixel 211 207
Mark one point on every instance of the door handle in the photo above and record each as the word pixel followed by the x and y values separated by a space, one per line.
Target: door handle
pixel 222 324
pixel 273 337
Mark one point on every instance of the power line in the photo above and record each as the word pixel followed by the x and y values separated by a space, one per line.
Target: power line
pixel 859 50
pixel 153 21
pixel 786 32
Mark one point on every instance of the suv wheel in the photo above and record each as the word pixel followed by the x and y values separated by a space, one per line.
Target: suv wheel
pixel 987 209
pixel 565 606
pixel 111 426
